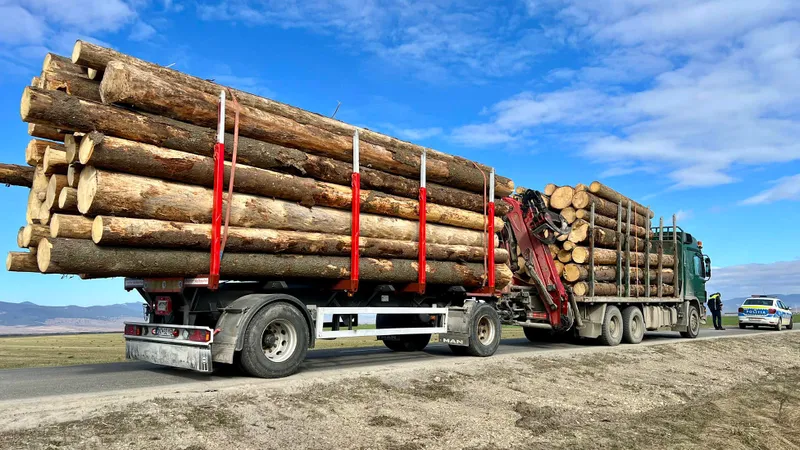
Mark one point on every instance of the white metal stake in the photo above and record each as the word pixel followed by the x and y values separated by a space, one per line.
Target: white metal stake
pixel 355 152
pixel 221 123
pixel 423 163
pixel 491 186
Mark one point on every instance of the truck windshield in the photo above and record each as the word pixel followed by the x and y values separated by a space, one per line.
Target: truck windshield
pixel 758 302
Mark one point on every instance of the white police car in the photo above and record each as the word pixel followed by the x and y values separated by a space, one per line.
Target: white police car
pixel 766 312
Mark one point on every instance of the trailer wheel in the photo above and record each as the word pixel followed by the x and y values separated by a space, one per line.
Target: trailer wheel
pixel 694 323
pixel 485 332
pixel 403 343
pixel 276 342
pixel 632 325
pixel 611 333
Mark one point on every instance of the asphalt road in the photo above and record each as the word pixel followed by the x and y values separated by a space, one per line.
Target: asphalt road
pixel 18 384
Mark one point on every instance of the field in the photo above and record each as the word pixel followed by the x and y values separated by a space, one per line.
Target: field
pixel 727 393
pixel 63 350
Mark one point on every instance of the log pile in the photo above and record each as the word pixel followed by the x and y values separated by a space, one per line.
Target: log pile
pixel 121 171
pixel 610 238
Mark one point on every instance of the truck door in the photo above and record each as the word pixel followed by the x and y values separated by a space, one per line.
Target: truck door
pixel 695 284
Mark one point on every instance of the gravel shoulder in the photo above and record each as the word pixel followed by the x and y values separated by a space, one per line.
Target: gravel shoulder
pixel 733 393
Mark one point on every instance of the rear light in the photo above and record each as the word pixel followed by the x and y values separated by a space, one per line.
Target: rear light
pixel 133 330
pixel 741 310
pixel 773 310
pixel 175 332
pixel 200 336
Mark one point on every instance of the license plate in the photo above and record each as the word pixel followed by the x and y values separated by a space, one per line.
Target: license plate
pixel 164 331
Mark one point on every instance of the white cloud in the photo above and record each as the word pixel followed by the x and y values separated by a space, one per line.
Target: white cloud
pixel 683 215
pixel 142 31
pixel 20 26
pixel 85 16
pixel 786 188
pixel 747 279
pixel 418 134
pixel 695 88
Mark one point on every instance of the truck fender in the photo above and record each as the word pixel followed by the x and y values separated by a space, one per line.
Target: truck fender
pixel 683 320
pixel 232 324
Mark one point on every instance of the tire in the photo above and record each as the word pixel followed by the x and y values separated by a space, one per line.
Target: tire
pixel 742 326
pixel 779 326
pixel 611 333
pixel 485 332
pixel 694 323
pixel 275 342
pixel 791 323
pixel 632 325
pixel 405 343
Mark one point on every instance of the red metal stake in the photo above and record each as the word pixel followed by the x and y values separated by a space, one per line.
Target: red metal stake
pixel 423 205
pixel 490 227
pixel 355 237
pixel 216 211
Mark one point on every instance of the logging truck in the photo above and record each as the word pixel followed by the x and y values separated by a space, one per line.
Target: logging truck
pixel 266 326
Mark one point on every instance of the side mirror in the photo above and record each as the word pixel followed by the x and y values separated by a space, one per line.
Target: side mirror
pixel 707 266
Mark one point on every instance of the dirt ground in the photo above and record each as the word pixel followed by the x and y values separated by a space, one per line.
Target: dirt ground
pixel 732 393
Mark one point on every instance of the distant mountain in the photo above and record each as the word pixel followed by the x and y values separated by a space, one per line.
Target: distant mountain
pixel 27 317
pixel 791 300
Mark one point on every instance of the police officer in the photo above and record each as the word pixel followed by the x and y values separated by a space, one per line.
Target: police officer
pixel 715 306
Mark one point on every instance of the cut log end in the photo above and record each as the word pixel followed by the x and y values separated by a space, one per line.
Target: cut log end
pixel 21 262
pixel 561 197
pixel 25 104
pixel 76 52
pixel 87 145
pixel 43 255
pixel 87 188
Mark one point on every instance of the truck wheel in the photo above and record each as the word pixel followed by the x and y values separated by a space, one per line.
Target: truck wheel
pixel 275 342
pixel 404 343
pixel 742 326
pixel 611 333
pixel 485 331
pixel 694 323
pixel 632 325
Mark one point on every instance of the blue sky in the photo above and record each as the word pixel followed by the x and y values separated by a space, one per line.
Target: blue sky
pixel 690 107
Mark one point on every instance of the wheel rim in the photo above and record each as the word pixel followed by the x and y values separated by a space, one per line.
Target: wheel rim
pixel 637 326
pixel 279 340
pixel 694 321
pixel 486 330
pixel 614 326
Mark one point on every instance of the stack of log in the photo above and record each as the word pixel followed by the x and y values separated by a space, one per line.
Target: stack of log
pixel 121 175
pixel 611 242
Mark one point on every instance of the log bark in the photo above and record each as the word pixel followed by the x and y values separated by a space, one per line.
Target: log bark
pixel 44 131
pixel 54 63
pixel 122 231
pixel 603 237
pixel 561 197
pixel 604 256
pixel 576 272
pixel 14 175
pixel 68 200
pixel 77 256
pixel 61 110
pixel 584 199
pixel 613 196
pixel 21 262
pixel 32 234
pixel 54 187
pixel 609 289
pixel 77 85
pixel 70 226
pixel 54 161
pixel 34 152
pixel 73 175
pixel 98 58
pixel 610 223
pixel 151 161
pixel 109 193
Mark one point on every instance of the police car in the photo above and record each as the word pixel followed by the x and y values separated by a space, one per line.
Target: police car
pixel 766 312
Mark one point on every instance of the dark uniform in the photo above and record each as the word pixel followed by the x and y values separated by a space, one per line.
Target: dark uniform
pixel 715 306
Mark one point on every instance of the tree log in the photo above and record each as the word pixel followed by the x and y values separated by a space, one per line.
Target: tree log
pixel 56 63
pixel 564 256
pixel 109 193
pixel 78 85
pixel 559 267
pixel 151 161
pixel 604 256
pixel 68 200
pixel 76 256
pixel 98 58
pixel 21 262
pixel 71 144
pixel 579 233
pixel 61 110
pixel 32 234
pixel 14 175
pixel 568 245
pixel 19 237
pixel 44 214
pixel 561 197
pixel 549 189
pixel 34 152
pixel 610 223
pixel 39 186
pixel 613 196
pixel 121 231
pixel 54 161
pixel 44 131
pixel 609 289
pixel 576 272
pixel 54 186
pixel 584 199
pixel 70 226
pixel 603 237
pixel 568 214
pixel 73 175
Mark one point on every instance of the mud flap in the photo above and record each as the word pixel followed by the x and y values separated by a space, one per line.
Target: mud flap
pixel 183 356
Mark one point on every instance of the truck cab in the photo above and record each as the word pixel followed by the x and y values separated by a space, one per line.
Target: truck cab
pixel 695 266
